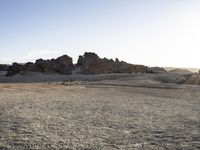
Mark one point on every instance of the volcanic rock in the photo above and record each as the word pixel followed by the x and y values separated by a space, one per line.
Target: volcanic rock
pixel 14 69
pixel 90 63
pixel 61 65
pixel 3 67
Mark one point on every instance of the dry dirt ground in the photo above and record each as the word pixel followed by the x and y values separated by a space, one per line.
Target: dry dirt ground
pixel 99 115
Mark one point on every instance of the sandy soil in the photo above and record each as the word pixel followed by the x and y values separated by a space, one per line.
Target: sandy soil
pixel 111 114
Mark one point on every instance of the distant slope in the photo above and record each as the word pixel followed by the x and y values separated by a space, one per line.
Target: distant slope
pixel 158 70
pixel 193 70
pixel 180 71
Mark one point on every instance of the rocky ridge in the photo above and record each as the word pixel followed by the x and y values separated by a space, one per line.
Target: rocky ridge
pixel 61 65
pixel 89 63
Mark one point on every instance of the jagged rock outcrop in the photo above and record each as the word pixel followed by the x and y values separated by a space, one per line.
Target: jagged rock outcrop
pixel 14 69
pixel 90 63
pixel 61 65
pixel 3 67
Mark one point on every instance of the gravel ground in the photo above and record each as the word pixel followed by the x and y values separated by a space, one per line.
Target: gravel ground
pixel 99 116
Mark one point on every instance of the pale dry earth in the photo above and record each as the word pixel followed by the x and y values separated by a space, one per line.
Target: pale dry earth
pixel 127 113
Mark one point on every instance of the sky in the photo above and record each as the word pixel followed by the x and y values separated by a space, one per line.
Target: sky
pixel 151 32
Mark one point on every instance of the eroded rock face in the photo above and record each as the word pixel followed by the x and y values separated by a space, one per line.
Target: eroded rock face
pixel 92 64
pixel 62 65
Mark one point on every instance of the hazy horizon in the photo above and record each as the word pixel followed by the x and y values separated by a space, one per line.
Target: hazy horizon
pixel 153 33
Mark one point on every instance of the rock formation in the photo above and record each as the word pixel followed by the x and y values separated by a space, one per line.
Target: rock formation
pixel 90 63
pixel 3 67
pixel 61 65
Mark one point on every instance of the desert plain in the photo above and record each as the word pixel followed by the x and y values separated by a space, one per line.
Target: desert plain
pixel 126 111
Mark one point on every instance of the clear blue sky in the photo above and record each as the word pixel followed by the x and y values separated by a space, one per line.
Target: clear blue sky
pixel 150 32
